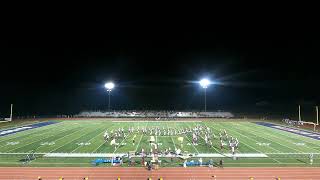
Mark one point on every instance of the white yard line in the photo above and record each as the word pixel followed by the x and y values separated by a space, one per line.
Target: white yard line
pixel 212 127
pixel 140 137
pixel 275 137
pixel 102 142
pixel 70 140
pixel 139 142
pixel 172 138
pixel 192 144
pixel 203 138
pixel 120 143
pixel 98 147
pixel 63 130
pixel 191 141
pixel 243 141
pixel 291 141
pixel 276 160
pixel 262 138
pixel 249 145
pixel 23 138
pixel 246 143
pixel 23 134
pixel 117 146
pixel 88 141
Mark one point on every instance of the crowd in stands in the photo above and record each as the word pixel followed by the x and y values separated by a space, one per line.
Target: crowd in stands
pixel 155 114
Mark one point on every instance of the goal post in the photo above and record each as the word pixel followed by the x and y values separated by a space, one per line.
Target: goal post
pixel 11 111
pixel 299 113
pixel 312 123
pixel 317 111
pixel 315 124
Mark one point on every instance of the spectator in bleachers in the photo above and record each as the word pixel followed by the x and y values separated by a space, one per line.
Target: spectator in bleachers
pixel 155 114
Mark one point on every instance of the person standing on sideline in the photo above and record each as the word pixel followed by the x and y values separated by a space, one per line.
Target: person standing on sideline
pixel 311 158
pixel 221 163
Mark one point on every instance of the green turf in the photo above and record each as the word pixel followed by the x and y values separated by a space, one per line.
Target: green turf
pixel 67 137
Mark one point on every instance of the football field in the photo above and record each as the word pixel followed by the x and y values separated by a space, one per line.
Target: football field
pixel 78 142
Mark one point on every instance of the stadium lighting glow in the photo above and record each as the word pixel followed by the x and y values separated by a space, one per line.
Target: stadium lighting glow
pixel 204 83
pixel 109 86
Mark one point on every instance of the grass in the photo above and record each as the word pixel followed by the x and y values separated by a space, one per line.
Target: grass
pixel 71 137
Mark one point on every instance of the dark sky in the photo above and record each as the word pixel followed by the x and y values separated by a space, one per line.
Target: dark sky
pixel 55 72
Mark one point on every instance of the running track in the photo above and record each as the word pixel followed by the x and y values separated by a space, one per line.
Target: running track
pixel 26 173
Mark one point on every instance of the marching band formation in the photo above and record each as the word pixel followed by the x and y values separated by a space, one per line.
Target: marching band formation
pixel 195 133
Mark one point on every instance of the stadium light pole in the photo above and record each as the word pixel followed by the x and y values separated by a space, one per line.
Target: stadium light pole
pixel 204 83
pixel 109 86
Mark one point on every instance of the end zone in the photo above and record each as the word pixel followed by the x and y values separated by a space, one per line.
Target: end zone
pixel 24 128
pixel 301 132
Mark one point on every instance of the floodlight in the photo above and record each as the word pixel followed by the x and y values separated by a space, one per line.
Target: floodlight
pixel 204 83
pixel 109 86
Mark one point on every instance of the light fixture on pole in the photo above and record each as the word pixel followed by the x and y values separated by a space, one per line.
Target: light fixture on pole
pixel 109 86
pixel 204 83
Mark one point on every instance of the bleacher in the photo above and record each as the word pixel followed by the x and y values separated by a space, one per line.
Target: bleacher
pixel 155 114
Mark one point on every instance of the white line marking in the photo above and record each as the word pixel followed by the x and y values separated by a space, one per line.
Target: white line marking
pixel 248 144
pixel 275 137
pixel 66 136
pixel 23 134
pixel 98 147
pixel 260 137
pixel 102 142
pixel 63 130
pixel 88 141
pixel 139 142
pixel 120 143
pixel 68 141
pixel 284 133
pixel 175 148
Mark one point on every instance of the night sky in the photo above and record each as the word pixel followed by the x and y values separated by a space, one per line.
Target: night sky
pixel 57 72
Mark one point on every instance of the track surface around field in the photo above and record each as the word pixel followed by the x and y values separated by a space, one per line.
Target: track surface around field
pixel 28 173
